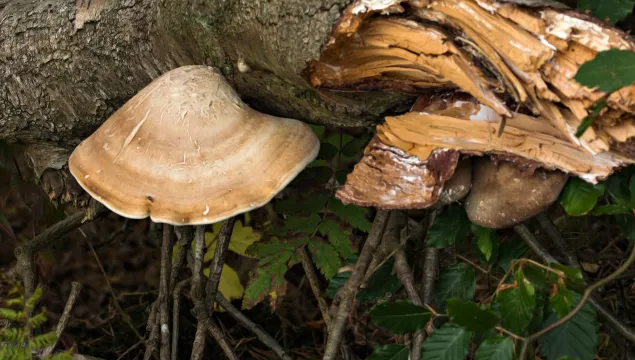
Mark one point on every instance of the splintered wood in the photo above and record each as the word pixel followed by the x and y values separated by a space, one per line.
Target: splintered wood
pixel 516 62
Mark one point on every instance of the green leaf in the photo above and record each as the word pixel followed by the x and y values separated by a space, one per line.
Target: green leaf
pixel 265 280
pixel 455 281
pixel 390 352
pixel 318 130
pixel 517 304
pixel 384 282
pixel 496 348
pixel 562 301
pixel 302 224
pixel 610 209
pixel 578 337
pixel 35 298
pixel 242 238
pixel 535 275
pixel 66 355
pixel 627 224
pixel 450 342
pixel 325 257
pixel 579 197
pixel 355 215
pixel 312 203
pixel 470 316
pixel 37 320
pixel 41 341
pixel 609 10
pixel 229 285
pixel 450 227
pixel 336 283
pixel 14 335
pixel 609 71
pixel 510 251
pixel 484 239
pixel 10 314
pixel 589 119
pixel 327 151
pixel 338 238
pixel 400 317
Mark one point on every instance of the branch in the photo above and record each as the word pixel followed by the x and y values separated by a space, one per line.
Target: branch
pixel 253 327
pixel 164 299
pixel 347 292
pixel 216 267
pixel 176 308
pixel 66 315
pixel 546 257
pixel 552 232
pixel 314 282
pixel 187 235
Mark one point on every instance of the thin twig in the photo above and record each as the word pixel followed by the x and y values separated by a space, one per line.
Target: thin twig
pixel 347 292
pixel 187 235
pixel 552 231
pixel 66 315
pixel 251 326
pixel 546 257
pixel 196 291
pixel 152 327
pixel 216 267
pixel 164 298
pixel 176 308
pixel 314 282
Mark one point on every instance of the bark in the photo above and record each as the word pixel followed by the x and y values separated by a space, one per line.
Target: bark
pixel 67 65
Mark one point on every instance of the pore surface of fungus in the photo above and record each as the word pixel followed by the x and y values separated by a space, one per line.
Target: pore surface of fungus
pixel 187 150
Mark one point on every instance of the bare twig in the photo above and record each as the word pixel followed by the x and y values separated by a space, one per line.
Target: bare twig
pixel 216 267
pixel 66 315
pixel 312 275
pixel 176 308
pixel 348 291
pixel 187 235
pixel 164 298
pixel 196 291
pixel 546 257
pixel 253 327
pixel 153 328
pixel 552 231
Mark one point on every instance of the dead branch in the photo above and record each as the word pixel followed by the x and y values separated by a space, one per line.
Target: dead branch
pixel 314 282
pixel 164 298
pixel 66 315
pixel 218 261
pixel 348 291
pixel 176 308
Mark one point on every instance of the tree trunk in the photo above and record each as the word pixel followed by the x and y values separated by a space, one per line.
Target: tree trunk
pixel 67 65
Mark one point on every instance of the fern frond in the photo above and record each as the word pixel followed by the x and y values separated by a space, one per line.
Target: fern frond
pixel 13 353
pixel 66 355
pixel 37 295
pixel 14 290
pixel 15 302
pixel 41 341
pixel 14 335
pixel 11 314
pixel 37 320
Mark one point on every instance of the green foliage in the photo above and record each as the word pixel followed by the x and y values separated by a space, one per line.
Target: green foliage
pixel 450 342
pixel 450 227
pixel 610 70
pixel 390 352
pixel 455 281
pixel 400 317
pixel 589 119
pixel 517 304
pixel 579 197
pixel 510 251
pixel 576 338
pixel 383 282
pixel 354 215
pixel 496 348
pixel 562 301
pixel 470 316
pixel 325 257
pixel 339 238
pixel 485 239
pixel 609 10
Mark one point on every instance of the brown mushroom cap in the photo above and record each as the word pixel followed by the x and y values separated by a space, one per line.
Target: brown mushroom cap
pixel 186 150
pixel 502 197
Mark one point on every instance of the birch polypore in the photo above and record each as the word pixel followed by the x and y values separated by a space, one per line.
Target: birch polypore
pixel 187 150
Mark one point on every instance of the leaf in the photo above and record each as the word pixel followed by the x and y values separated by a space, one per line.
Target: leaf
pixel 229 285
pixel 450 342
pixel 579 197
pixel 266 280
pixel 400 317
pixel 14 335
pixel 66 355
pixel 562 301
pixel 574 275
pixel 510 251
pixel 384 282
pixel 390 352
pixel 312 203
pixel 589 119
pixel 37 320
pixel 496 348
pixel 578 337
pixel 627 224
pixel 338 238
pixel 302 224
pixel 609 70
pixel 484 240
pixel 242 238
pixel 10 314
pixel 450 227
pixel 610 209
pixel 325 257
pixel 517 304
pixel 41 341
pixel 318 130
pixel 355 215
pixel 455 281
pixel 470 316
pixel 609 10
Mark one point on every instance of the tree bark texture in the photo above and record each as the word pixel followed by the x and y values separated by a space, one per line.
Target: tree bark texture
pixel 66 65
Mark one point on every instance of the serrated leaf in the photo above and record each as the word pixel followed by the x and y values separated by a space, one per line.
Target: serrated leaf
pixel 400 317
pixel 535 275
pixel 229 285
pixel 342 276
pixel 338 238
pixel 37 320
pixel 312 203
pixel 496 348
pixel 327 151
pixel 510 251
pixel 242 238
pixel 455 281
pixel 390 352
pixel 450 227
pixel 607 10
pixel 517 304
pixel 355 215
pixel 325 257
pixel 10 314
pixel 573 275
pixel 302 224
pixel 265 280
pixel 484 239
pixel 66 355
pixel 318 130
pixel 562 301
pixel 578 337
pixel 579 197
pixel 14 335
pixel 41 341
pixel 627 224
pixel 608 71
pixel 470 316
pixel 610 209
pixel 383 282
pixel 589 119
pixel 450 342
pixel 35 298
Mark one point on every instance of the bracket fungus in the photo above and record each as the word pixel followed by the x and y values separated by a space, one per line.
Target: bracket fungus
pixel 186 150
pixel 495 79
